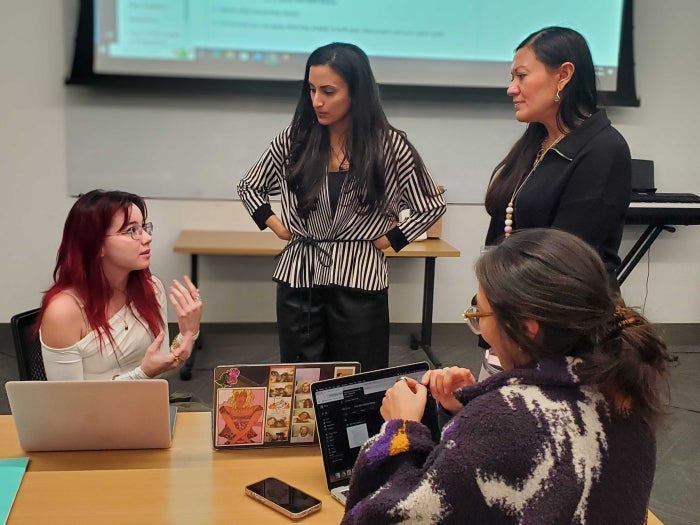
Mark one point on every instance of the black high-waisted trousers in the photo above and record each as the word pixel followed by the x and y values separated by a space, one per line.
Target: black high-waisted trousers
pixel 333 324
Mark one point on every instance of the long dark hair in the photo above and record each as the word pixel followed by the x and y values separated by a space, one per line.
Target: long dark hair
pixel 558 280
pixel 308 157
pixel 79 264
pixel 552 46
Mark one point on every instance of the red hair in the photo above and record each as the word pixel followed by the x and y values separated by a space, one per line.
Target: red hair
pixel 79 262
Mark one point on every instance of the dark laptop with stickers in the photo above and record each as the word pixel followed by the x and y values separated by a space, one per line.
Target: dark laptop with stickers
pixel 269 405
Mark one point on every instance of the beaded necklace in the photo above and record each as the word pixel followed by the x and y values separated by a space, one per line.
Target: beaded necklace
pixel 510 209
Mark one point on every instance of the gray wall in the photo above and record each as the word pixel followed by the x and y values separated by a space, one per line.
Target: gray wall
pixel 38 123
pixel 199 147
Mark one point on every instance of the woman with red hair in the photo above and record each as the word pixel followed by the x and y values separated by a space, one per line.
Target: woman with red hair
pixel 105 317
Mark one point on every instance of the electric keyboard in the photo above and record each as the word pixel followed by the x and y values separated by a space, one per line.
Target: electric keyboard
pixel 663 213
pixel 664 197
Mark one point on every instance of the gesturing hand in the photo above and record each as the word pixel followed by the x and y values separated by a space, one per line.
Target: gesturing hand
pixel 155 362
pixel 187 304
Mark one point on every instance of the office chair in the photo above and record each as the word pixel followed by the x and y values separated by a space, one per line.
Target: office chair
pixel 27 346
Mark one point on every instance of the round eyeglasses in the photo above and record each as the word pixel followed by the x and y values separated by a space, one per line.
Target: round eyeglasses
pixel 136 231
pixel 472 315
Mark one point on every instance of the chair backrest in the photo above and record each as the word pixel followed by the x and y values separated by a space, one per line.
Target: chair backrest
pixel 27 346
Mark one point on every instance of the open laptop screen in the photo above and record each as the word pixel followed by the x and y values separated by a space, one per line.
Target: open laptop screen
pixel 347 413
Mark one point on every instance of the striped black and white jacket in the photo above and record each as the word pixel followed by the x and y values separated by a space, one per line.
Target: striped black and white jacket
pixel 329 249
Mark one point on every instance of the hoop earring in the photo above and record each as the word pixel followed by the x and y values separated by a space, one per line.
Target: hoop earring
pixel 557 98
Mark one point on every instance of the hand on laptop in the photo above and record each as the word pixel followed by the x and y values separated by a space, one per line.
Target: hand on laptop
pixel 443 382
pixel 405 400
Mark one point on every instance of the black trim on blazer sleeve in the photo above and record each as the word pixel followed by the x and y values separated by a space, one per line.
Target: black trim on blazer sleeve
pixel 396 238
pixel 263 213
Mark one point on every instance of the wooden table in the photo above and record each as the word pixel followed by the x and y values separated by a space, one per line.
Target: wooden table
pixel 249 244
pixel 189 483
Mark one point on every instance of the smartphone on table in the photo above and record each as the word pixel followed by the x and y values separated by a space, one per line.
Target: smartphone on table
pixel 284 498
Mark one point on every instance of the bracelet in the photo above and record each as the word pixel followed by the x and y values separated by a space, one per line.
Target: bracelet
pixel 179 338
pixel 136 373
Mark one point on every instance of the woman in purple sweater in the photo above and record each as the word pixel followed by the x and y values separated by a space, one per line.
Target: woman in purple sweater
pixel 566 434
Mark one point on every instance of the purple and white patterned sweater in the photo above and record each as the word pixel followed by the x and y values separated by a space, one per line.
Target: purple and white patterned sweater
pixel 530 446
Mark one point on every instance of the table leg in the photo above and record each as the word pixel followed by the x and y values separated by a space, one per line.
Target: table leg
pixel 194 268
pixel 427 320
pixel 186 370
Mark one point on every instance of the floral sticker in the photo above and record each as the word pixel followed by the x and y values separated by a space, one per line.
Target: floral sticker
pixel 228 378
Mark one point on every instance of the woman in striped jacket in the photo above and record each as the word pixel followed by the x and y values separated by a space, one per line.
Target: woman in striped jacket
pixel 343 174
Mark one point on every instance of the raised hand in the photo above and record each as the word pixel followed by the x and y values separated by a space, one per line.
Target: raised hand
pixel 187 303
pixel 155 362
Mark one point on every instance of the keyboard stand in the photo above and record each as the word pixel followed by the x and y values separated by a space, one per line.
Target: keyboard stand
pixel 640 248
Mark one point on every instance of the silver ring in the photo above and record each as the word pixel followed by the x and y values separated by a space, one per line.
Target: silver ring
pixel 197 297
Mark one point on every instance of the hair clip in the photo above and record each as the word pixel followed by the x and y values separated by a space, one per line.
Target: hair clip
pixel 621 319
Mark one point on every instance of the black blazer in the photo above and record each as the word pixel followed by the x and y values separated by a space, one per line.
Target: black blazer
pixel 582 186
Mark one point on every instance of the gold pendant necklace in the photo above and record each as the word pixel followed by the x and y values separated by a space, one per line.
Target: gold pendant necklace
pixel 122 317
pixel 126 307
pixel 126 325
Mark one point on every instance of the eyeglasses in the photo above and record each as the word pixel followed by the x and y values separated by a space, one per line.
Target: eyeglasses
pixel 472 315
pixel 135 232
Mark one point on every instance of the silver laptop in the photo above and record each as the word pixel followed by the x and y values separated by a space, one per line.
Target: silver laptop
pixel 91 415
pixel 347 414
